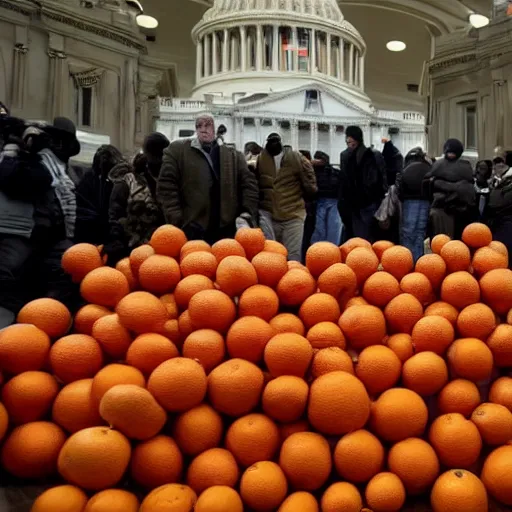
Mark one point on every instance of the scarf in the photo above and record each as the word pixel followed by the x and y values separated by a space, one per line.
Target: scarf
pixel 64 189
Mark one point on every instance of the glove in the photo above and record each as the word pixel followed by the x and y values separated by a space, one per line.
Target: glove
pixel 245 220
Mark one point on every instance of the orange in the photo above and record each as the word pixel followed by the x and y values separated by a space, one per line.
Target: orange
pixel 277 247
pixel 496 288
pixel 138 256
pixel 288 354
pixel 194 246
pixel 438 242
pixel 247 338
pixel 29 396
pixel 181 496
pixel 425 373
pixel 156 461
pixel 198 430
pixel 124 266
pixel 252 240
pixel 319 307
pixel 74 408
pixel 352 244
pixel 306 461
pixel 499 247
pixel 487 259
pixel 95 458
pixel 432 333
pixel 378 368
pixel 263 486
pixel 86 316
pixel 497 474
pixel 295 287
pixel 460 289
pixel 199 262
pixel 320 256
pixel 419 285
pixel 112 336
pixel 23 347
pixel 459 490
pixel 477 321
pixel 338 403
pixel 286 322
pixel 456 256
pixel 212 467
pixel 259 300
pixel 49 315
pixel 341 496
pixel 149 351
pixel 188 287
pixel 113 500
pixel 415 462
pixel 494 422
pixel 385 492
pixel 206 347
pixel 303 501
pixel 80 259
pixel 363 326
pixel 477 235
pixel 185 326
pixel 142 312
pixel 227 247
pixel 219 498
pixel 326 334
pixel 363 262
pixel 380 246
pixel 113 375
pixel 270 267
pixel 509 317
pixel 501 392
pixel 443 309
pixel 4 421
pixel 178 384
pixel 398 414
pixel 64 498
pixel 288 429
pixel 235 387
pixel 460 396
pixel 358 456
pixel 401 345
pixel 402 313
pixel 471 359
pixel 339 280
pixel 331 359
pixel 168 241
pixel 160 274
pixel 398 261
pixel 499 343
pixel 354 301
pixel 380 288
pixel 456 440
pixel 252 438
pixel 212 309
pixel 285 398
pixel 75 357
pixel 104 286
pixel 432 266
pixel 31 450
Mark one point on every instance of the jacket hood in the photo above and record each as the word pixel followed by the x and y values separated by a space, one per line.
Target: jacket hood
pixel 453 146
pixel 120 170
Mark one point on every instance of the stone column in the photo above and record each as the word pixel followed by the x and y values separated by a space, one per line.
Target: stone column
pixel 207 55
pixel 332 136
pixel 275 48
pixel 257 125
pixel 19 75
pixel 342 60
pixel 361 72
pixel 328 44
pixel 128 102
pixel 312 45
pixel 58 83
pixel 356 68
pixel 314 137
pixel 199 60
pixel 294 125
pixel 243 49
pixel 215 48
pixel 259 48
pixel 351 65
pixel 295 46
pixel 225 51
pixel 234 50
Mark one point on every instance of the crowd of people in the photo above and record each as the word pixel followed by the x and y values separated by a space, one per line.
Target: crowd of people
pixel 210 189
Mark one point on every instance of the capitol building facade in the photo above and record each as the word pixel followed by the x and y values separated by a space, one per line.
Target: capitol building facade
pixel 295 67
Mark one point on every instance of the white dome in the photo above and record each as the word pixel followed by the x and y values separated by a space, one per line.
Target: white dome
pixel 325 9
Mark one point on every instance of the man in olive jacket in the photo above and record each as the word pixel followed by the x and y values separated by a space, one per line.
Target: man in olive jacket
pixel 205 185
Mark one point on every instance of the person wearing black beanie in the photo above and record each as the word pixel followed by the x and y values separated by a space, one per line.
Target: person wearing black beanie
pixel 153 148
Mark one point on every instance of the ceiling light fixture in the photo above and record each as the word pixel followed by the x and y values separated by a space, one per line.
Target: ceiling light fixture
pixel 147 22
pixel 396 46
pixel 478 20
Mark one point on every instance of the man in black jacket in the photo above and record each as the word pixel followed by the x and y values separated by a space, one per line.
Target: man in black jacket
pixel 363 185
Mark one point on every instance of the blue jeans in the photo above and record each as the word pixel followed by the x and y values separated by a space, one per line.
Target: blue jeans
pixel 414 225
pixel 328 225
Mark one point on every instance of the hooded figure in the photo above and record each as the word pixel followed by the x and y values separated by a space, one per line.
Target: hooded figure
pixel 450 187
pixel 394 161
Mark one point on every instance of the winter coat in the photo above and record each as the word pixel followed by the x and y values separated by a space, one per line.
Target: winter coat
pixel 199 190
pixel 328 180
pixel 409 182
pixel 283 191
pixel 394 161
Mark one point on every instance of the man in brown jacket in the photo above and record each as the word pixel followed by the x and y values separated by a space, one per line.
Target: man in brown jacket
pixel 204 185
pixel 285 179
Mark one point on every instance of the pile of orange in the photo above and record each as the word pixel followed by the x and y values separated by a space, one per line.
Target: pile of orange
pixel 224 378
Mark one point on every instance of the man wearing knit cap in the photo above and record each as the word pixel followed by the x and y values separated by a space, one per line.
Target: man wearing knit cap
pixel 363 185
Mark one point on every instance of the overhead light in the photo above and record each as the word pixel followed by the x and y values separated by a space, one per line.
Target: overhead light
pixel 147 22
pixel 478 20
pixel 396 46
